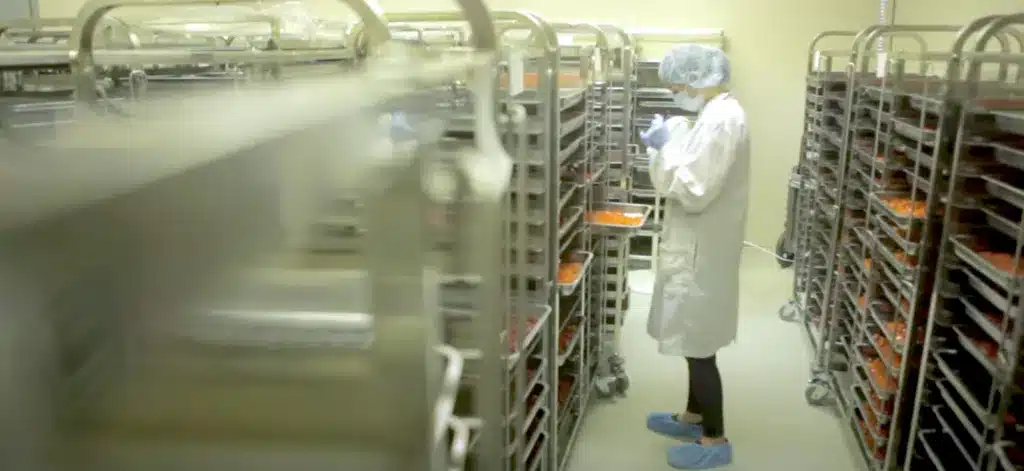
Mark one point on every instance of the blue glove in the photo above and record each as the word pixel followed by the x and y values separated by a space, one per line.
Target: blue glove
pixel 401 130
pixel 657 135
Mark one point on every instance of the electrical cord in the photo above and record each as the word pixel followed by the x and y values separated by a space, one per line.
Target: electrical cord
pixel 759 248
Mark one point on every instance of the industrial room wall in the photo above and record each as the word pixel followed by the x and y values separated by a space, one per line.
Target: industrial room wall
pixel 767 41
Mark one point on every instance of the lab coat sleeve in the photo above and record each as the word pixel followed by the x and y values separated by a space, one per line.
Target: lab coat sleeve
pixel 693 165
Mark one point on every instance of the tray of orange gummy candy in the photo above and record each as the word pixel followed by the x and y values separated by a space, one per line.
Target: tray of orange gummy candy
pixel 571 271
pixel 619 217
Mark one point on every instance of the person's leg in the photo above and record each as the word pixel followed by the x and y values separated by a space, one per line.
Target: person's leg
pixel 681 425
pixel 693 411
pixel 712 449
pixel 706 390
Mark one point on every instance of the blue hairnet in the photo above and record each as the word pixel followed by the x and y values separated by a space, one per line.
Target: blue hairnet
pixel 694 65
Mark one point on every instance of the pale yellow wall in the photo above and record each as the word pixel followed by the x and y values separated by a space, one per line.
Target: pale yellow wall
pixel 767 43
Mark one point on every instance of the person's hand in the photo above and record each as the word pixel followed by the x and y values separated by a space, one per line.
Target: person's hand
pixel 657 135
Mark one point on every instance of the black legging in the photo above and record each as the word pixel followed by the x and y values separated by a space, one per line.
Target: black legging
pixel 705 396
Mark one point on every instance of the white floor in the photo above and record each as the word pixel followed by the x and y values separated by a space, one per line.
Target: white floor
pixel 764 374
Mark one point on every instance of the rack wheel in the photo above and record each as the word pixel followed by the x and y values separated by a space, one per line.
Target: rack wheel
pixel 783 256
pixel 817 392
pixel 608 386
pixel 621 383
pixel 788 311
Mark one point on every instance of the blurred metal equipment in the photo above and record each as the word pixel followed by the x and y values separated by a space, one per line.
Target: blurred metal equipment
pixel 165 307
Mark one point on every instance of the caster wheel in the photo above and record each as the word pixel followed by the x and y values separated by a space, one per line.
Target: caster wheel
pixel 787 312
pixel 817 393
pixel 616 361
pixel 622 384
pixel 785 257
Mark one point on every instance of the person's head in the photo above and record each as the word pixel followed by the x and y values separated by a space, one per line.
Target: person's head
pixel 695 73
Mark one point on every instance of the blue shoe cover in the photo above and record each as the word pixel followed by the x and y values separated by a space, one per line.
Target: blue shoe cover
pixel 697 456
pixel 667 424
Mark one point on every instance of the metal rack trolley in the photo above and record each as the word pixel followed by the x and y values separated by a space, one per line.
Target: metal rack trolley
pixel 611 113
pixel 880 249
pixel 825 90
pixel 37 81
pixel 967 397
pixel 586 168
pixel 818 159
pixel 610 287
pixel 374 356
pixel 544 218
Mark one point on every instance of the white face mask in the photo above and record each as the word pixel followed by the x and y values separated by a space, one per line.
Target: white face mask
pixel 689 103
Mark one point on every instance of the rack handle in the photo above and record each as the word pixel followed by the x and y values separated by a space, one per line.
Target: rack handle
pixel 82 40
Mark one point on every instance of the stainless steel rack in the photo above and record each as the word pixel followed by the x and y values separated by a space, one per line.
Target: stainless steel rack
pixel 876 165
pixel 968 399
pixel 610 286
pixel 153 254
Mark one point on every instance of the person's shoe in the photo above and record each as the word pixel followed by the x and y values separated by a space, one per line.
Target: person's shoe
pixel 696 455
pixel 671 425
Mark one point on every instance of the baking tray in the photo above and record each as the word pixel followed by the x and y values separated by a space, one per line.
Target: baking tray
pixel 570 216
pixel 963 247
pixel 861 358
pixel 1011 122
pixel 962 391
pixel 577 257
pixel 627 208
pixel 983 322
pixel 534 431
pixel 975 352
pixel 1011 154
pixel 859 378
pixel 1006 188
pixel 541 313
pixel 860 398
pixel 1001 222
pixel 968 425
pixel 878 197
pixel 563 356
pixel 912 131
pixel 990 294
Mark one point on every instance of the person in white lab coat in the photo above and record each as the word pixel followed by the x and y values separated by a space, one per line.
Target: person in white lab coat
pixel 701 168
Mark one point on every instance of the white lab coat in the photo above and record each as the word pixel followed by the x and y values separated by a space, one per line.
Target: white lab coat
pixel 703 174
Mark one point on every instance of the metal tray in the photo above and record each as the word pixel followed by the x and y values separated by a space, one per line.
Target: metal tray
pixel 877 199
pixel 563 356
pixel 1009 155
pixel 541 313
pixel 577 257
pixel 571 216
pixel 1004 190
pixel 627 208
pixel 861 399
pixel 996 299
pixel 983 322
pixel 860 378
pixel 1010 121
pixel 535 425
pixel 912 131
pixel 962 247
pixel 566 191
pixel 1000 222
pixel 884 395
pixel 961 389
pixel 954 406
pixel 975 352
